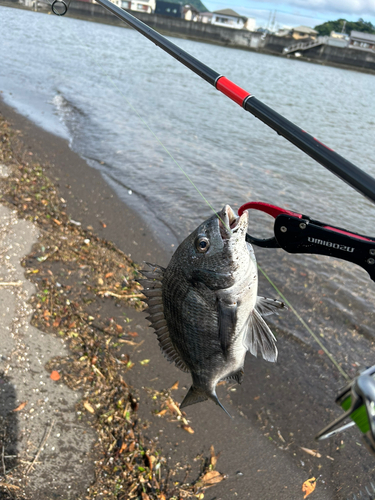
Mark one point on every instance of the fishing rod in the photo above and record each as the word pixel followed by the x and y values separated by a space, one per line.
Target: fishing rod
pixel 304 235
pixel 344 169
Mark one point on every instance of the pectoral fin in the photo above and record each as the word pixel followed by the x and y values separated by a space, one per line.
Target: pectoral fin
pixel 259 336
pixel 227 323
pixel 266 306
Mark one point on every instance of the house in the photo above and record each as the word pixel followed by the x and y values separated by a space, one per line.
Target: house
pixel 138 5
pixel 228 18
pixel 362 41
pixel 205 17
pixel 340 36
pixel 304 32
pixel 190 13
pixel 169 9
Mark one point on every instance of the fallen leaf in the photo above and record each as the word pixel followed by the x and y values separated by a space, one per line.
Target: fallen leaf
pixel 55 375
pixel 173 407
pixel 309 486
pixel 188 429
pixel 213 456
pixel 56 323
pixel 119 328
pixel 145 496
pixel 21 406
pixel 9 486
pixel 210 478
pixel 174 386
pixel 162 496
pixel 161 413
pixel 123 447
pixel 130 342
pixel 133 334
pixel 144 362
pixel 312 452
pixel 108 275
pixel 132 446
pixel 88 407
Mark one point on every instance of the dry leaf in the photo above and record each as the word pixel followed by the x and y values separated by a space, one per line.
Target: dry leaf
pixel 188 429
pixel 312 452
pixel 162 496
pixel 88 407
pixel 161 413
pixel 123 447
pixel 145 496
pixel 55 375
pixel 309 486
pixel 133 334
pixel 213 456
pixel 173 407
pixel 21 406
pixel 129 342
pixel 174 386
pixel 9 486
pixel 210 478
pixel 108 275
pixel 132 446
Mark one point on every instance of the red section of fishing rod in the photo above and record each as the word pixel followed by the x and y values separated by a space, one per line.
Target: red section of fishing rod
pixel 231 90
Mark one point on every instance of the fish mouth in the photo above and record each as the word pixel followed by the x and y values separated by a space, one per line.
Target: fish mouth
pixel 230 224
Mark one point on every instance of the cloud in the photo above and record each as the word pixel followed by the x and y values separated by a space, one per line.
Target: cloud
pixel 359 7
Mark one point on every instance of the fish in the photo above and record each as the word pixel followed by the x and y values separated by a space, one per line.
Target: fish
pixel 205 308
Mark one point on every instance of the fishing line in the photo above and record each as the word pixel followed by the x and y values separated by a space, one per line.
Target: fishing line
pixel 90 55
pixel 150 130
pixel 302 321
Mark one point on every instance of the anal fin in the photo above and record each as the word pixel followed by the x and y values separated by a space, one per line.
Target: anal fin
pixel 193 396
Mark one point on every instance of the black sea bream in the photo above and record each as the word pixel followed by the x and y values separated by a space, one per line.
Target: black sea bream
pixel 204 306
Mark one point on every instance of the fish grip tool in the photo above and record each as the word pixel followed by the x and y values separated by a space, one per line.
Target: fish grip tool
pixel 298 233
pixel 357 399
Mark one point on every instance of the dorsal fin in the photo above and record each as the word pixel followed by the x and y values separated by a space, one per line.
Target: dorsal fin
pixel 153 291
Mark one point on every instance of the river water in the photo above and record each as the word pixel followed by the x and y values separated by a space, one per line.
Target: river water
pixel 128 108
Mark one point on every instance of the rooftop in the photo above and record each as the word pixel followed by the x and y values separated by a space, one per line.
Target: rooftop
pixel 305 29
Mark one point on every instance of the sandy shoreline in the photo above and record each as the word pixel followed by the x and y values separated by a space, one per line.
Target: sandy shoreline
pixel 291 399
pixel 89 198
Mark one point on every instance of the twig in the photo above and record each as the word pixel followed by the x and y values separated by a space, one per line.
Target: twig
pixel 118 296
pixel 48 432
pixel 10 283
pixel 3 462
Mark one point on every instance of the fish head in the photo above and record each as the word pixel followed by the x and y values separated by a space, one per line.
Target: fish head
pixel 216 251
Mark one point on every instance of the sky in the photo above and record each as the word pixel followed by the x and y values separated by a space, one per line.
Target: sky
pixel 296 12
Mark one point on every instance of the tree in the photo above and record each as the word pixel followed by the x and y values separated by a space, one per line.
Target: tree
pixel 360 25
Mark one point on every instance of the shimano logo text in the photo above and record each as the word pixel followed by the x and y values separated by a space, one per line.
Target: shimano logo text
pixel 329 244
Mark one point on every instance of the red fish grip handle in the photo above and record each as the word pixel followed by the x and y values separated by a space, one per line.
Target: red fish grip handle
pixel 298 233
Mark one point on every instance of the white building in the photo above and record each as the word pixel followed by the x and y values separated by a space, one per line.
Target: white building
pixel 228 18
pixel 138 5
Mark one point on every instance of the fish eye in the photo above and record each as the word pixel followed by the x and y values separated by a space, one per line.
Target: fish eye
pixel 202 244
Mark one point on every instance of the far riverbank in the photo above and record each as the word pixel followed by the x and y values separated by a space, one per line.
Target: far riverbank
pixel 338 57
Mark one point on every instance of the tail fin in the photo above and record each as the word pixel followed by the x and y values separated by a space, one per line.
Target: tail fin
pixel 196 395
pixel 216 399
